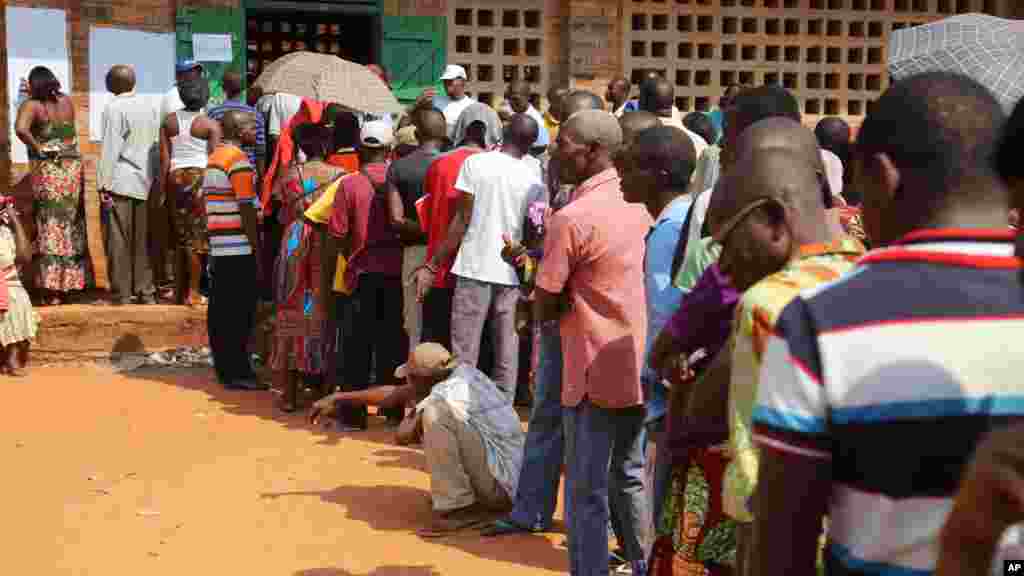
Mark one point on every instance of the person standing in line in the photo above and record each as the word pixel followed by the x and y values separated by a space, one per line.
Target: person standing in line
pixel 229 191
pixel 518 97
pixel 589 277
pixel 657 96
pixel 187 139
pixel 495 189
pixel 129 162
pixel 537 493
pixel 46 125
pixel 233 100
pixel 553 115
pixel 477 130
pixel 453 102
pixel 361 226
pixel 19 322
pixel 618 97
pixel 936 309
pixel 656 172
pixel 406 178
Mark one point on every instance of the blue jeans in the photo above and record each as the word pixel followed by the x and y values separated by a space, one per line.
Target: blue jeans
pixel 537 493
pixel 606 460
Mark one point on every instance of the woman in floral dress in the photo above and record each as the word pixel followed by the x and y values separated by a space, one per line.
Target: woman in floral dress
pixel 300 317
pixel 46 125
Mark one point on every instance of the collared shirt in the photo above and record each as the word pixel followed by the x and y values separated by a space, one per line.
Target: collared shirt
pixel 477 400
pixel 130 155
pixel 892 375
pixel 217 113
pixel 756 314
pixel 662 296
pixel 594 253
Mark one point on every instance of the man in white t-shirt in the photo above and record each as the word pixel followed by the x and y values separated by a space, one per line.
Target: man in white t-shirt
pixel 494 191
pixel 453 101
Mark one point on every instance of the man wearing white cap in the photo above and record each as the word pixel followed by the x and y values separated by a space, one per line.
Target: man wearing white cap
pixel 454 101
pixel 471 435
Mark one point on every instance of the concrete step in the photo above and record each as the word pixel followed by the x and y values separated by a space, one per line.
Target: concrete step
pixel 82 332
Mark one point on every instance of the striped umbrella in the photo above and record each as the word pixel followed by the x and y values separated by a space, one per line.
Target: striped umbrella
pixel 327 78
pixel 988 49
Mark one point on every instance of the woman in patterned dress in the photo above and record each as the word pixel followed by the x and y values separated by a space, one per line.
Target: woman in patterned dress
pixel 46 125
pixel 18 321
pixel 298 348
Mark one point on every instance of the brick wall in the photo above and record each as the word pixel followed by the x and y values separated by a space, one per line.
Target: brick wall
pixel 148 15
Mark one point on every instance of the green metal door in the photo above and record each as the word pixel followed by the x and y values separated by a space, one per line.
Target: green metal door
pixel 213 21
pixel 413 50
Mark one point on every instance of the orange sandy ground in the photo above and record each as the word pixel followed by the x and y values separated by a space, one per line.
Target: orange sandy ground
pixel 165 472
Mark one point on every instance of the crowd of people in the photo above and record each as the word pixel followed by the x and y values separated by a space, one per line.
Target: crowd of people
pixel 753 348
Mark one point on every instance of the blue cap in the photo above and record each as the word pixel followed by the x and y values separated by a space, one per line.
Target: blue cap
pixel 186 65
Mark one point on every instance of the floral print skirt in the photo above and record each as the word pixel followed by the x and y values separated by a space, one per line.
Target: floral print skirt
pixel 695 537
pixel 60 245
pixel 190 209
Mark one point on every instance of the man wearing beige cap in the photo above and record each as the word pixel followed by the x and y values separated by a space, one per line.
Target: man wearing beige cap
pixel 453 101
pixel 471 435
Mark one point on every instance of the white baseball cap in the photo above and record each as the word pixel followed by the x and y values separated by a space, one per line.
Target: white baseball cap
pixel 453 71
pixel 376 134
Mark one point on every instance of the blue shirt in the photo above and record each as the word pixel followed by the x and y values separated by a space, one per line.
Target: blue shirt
pixel 663 298
pixel 217 113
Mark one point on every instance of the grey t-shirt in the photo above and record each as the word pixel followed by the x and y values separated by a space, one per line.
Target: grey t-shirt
pixel 408 175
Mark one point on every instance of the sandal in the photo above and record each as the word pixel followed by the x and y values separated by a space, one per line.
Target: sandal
pixel 449 526
pixel 504 527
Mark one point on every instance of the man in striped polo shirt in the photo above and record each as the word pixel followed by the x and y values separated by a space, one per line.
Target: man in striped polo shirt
pixel 875 389
pixel 230 194
pixel 233 100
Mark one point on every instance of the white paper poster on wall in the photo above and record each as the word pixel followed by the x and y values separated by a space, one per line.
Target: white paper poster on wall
pixel 152 56
pixel 212 47
pixel 35 37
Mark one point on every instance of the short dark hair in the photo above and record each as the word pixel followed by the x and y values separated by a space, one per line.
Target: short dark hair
pixel 578 98
pixel 346 130
pixel 699 123
pixel 833 134
pixel 312 139
pixel 667 148
pixel 195 94
pixel 940 127
pixel 43 84
pixel 762 102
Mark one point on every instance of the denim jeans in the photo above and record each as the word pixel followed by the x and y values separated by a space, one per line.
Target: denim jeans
pixel 606 460
pixel 537 493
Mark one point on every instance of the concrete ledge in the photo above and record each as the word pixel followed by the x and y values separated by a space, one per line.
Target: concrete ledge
pixel 90 332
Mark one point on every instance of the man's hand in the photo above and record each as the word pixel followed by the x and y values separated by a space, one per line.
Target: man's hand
pixel 513 252
pixel 325 407
pixel 424 280
pixel 663 349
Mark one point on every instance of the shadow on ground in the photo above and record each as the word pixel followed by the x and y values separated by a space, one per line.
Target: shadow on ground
pixel 409 509
pixel 382 571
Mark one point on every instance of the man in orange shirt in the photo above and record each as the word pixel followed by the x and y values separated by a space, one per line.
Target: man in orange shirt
pixel 234 242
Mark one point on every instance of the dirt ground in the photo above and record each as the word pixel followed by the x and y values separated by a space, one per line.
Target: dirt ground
pixel 162 472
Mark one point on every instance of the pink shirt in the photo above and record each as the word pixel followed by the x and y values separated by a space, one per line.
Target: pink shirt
pixel 594 251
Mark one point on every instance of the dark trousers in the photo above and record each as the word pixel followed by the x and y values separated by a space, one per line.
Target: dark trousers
pixel 375 339
pixel 437 326
pixel 125 233
pixel 231 313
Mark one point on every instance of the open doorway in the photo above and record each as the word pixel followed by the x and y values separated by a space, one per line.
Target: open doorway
pixel 274 33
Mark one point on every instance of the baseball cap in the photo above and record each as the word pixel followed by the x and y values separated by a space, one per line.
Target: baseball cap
pixel 376 134
pixel 453 71
pixel 427 359
pixel 185 65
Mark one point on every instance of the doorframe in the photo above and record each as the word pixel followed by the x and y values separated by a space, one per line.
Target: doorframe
pixel 373 8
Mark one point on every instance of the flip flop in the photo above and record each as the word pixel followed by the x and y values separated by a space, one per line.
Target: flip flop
pixel 504 527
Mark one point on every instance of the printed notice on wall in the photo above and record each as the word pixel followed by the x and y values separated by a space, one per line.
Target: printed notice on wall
pixel 150 54
pixel 589 44
pixel 212 47
pixel 35 37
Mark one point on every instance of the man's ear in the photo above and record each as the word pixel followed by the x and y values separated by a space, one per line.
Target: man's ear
pixel 885 173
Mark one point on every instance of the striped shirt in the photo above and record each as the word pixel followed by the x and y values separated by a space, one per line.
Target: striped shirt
pixel 892 374
pixel 756 313
pixel 217 113
pixel 228 184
